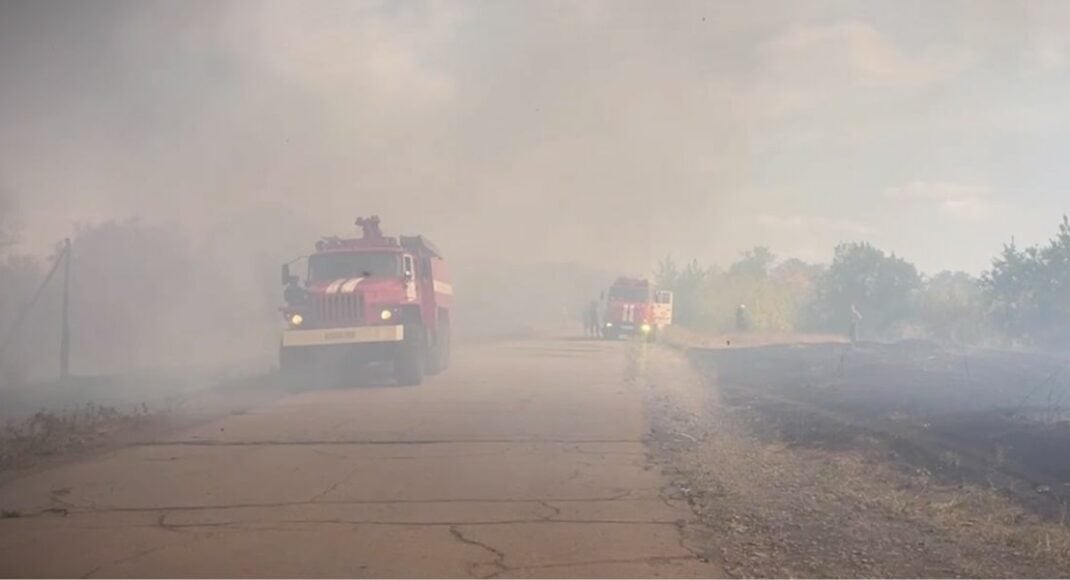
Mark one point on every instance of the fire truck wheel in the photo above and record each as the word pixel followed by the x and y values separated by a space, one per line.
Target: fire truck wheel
pixel 434 355
pixel 446 347
pixel 438 358
pixel 410 358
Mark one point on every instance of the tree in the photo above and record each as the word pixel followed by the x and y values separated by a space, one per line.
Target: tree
pixel 689 286
pixel 882 287
pixel 708 298
pixel 1011 286
pixel 1055 293
pixel 1028 290
pixel 755 262
pixel 689 295
pixel 951 308
pixel 19 275
pixel 667 273
pixel 798 274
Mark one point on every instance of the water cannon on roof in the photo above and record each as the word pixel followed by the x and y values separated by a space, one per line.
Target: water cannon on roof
pixel 373 238
pixel 370 225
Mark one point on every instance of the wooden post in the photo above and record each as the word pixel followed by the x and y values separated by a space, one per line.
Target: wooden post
pixel 65 337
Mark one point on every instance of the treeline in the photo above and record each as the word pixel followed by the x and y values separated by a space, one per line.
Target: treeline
pixel 1024 298
pixel 146 296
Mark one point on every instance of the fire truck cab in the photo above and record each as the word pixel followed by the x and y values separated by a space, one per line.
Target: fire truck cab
pixel 633 307
pixel 368 299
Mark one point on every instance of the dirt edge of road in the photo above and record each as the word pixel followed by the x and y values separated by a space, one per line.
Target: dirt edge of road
pixel 50 438
pixel 773 510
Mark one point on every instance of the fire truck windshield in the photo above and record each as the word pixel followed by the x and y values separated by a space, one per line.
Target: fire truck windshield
pixel 335 265
pixel 628 293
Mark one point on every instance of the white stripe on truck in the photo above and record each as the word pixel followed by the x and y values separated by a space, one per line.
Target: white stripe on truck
pixel 443 287
pixel 350 285
pixel 333 288
pixel 352 335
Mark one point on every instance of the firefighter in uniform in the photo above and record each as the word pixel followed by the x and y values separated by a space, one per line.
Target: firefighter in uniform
pixel 594 329
pixel 741 318
pixel 856 318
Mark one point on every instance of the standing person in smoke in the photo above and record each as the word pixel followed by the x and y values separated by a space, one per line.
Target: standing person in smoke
pixel 587 322
pixel 741 318
pixel 594 329
pixel 856 318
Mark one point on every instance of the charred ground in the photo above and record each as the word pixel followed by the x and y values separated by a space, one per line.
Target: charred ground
pixel 994 418
pixel 879 460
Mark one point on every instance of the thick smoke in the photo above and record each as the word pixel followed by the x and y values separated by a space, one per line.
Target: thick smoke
pixel 607 135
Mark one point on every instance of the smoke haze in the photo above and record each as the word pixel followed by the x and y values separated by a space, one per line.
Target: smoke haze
pixel 601 133
pixel 605 132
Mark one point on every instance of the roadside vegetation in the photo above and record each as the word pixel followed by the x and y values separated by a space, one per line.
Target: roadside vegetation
pixel 44 434
pixel 143 296
pixel 1024 299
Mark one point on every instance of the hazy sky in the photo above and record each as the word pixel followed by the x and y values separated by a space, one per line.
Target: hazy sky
pixel 606 132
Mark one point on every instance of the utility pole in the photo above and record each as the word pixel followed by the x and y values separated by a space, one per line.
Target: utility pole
pixel 25 311
pixel 65 337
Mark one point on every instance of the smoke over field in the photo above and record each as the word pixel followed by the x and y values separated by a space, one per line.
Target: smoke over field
pixel 662 289
pixel 190 148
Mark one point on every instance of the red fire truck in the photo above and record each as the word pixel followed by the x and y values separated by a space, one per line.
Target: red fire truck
pixel 634 308
pixel 369 299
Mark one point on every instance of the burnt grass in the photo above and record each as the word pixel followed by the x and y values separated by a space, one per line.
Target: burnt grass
pixel 992 418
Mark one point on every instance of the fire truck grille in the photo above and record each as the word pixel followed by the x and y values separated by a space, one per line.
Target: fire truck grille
pixel 338 309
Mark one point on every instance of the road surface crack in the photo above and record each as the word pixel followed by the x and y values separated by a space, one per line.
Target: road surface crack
pixel 499 557
pixel 124 560
pixel 345 479
pixel 555 511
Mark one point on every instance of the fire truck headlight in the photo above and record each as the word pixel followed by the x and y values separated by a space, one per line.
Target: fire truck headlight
pixel 645 328
pixel 297 320
pixel 386 314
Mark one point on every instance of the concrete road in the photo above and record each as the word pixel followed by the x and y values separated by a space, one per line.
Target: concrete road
pixel 525 459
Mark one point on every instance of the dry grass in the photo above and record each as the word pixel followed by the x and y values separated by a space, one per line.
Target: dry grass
pixel 47 433
pixel 959 510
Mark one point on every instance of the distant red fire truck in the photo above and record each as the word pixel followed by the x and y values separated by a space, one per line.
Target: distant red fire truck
pixel 368 299
pixel 634 307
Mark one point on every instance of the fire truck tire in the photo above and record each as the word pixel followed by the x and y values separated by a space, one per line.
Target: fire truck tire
pixel 411 357
pixel 434 357
pixel 438 358
pixel 447 347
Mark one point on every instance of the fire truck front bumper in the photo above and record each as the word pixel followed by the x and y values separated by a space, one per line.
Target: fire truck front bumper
pixel 342 336
pixel 628 328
